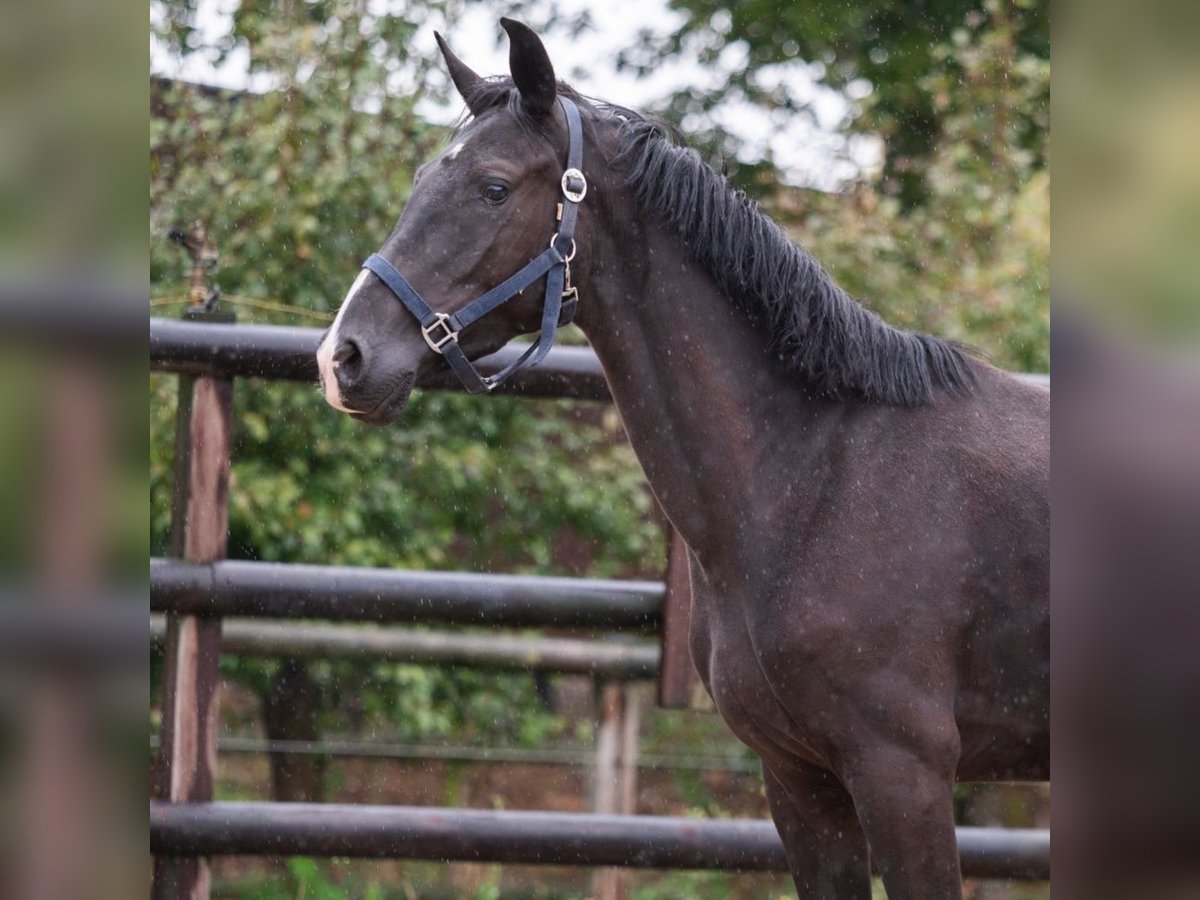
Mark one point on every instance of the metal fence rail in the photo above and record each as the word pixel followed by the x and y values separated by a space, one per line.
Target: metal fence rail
pixel 292 591
pixel 289 353
pixel 528 838
pixel 620 658
pixel 569 757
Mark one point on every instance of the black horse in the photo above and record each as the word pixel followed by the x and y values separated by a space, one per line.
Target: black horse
pixel 866 509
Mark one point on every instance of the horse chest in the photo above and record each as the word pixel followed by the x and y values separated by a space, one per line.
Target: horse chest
pixel 753 679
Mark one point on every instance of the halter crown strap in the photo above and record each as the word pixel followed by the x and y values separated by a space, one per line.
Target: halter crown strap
pixel 441 330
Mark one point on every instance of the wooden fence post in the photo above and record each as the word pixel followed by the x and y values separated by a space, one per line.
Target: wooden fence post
pixel 186 765
pixel 58 802
pixel 614 789
pixel 630 737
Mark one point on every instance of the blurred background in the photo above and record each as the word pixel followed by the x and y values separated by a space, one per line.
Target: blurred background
pixel 906 144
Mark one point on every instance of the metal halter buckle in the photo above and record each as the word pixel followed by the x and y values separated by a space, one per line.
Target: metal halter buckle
pixel 575 195
pixel 569 291
pixel 566 257
pixel 436 344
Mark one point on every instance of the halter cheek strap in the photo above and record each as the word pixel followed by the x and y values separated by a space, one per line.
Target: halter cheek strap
pixel 441 330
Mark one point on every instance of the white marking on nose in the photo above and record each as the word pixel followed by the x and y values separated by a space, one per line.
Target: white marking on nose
pixel 325 360
pixel 455 150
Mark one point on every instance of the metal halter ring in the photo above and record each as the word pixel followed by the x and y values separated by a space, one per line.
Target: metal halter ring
pixel 573 195
pixel 554 244
pixel 436 344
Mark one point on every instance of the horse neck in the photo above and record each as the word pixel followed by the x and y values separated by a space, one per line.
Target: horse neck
pixel 696 386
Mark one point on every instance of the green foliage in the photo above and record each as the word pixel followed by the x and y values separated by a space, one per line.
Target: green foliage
pixel 893 45
pixel 973 263
pixel 417 703
pixel 296 183
pixel 310 881
pixel 495 489
pixel 712 886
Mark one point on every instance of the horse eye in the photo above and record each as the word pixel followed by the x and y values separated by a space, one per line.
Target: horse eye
pixel 495 192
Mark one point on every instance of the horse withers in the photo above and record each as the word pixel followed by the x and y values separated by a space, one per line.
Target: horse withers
pixel 865 509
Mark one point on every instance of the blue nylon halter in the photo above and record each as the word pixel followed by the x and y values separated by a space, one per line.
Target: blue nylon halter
pixel 441 330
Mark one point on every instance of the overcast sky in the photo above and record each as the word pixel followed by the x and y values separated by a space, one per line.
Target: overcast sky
pixel 808 154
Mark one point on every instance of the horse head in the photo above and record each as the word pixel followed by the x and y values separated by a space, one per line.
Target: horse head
pixel 479 212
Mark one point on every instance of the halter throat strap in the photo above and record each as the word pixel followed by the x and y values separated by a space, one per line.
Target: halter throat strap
pixel 441 330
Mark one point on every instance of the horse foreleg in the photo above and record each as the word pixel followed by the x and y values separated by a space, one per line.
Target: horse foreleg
pixel 825 847
pixel 905 804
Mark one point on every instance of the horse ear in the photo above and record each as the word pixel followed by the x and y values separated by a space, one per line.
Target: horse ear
pixel 465 80
pixel 530 66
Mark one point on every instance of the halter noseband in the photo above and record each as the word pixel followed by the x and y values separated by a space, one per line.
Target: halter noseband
pixel 441 330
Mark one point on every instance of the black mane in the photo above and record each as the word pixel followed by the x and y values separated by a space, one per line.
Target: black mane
pixel 840 347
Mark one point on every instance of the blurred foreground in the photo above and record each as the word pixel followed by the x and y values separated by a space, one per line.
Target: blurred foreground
pixel 1126 575
pixel 73 666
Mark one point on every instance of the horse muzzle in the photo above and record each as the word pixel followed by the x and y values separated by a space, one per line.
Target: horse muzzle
pixel 361 382
pixel 393 404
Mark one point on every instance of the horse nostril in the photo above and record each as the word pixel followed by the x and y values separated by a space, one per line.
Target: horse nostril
pixel 346 352
pixel 347 362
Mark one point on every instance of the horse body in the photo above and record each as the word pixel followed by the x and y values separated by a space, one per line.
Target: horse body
pixel 870 594
pixel 865 510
